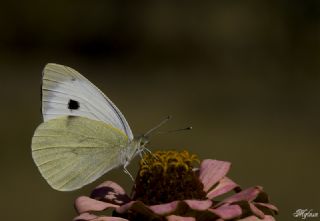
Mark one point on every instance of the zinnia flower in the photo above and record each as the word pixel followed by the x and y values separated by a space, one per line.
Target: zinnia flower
pixel 169 187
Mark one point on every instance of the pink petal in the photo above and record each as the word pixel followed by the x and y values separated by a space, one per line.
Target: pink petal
pixel 269 206
pixel 199 205
pixel 246 195
pixel 180 218
pixel 116 187
pixel 86 204
pixel 254 218
pixel 124 208
pixel 110 192
pixel 109 218
pixel 227 211
pixel 256 211
pixel 269 218
pixel 85 216
pixel 225 185
pixel 165 208
pixel 211 171
pixel 137 207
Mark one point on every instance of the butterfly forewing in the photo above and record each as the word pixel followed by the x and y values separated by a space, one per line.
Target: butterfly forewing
pixel 67 92
pixel 71 152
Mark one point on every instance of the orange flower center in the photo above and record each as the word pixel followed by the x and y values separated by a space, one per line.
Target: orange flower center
pixel 166 176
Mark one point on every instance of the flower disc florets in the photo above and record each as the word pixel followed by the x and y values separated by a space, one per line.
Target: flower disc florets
pixel 166 176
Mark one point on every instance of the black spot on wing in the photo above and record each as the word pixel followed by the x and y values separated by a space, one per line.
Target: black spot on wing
pixel 73 105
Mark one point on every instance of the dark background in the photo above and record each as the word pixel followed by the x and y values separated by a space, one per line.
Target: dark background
pixel 244 74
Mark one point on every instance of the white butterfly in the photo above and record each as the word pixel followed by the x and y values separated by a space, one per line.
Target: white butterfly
pixel 84 135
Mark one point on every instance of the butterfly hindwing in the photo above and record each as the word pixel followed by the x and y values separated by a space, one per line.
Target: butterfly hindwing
pixel 66 92
pixel 73 151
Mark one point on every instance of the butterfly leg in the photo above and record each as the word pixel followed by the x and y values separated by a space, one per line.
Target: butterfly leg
pixel 127 171
pixel 149 151
pixel 146 149
pixel 140 154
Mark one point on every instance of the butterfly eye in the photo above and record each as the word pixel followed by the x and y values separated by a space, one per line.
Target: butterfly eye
pixel 143 142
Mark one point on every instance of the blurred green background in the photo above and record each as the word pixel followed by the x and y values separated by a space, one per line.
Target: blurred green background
pixel 244 74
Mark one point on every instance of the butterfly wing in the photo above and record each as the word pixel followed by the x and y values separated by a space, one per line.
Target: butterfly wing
pixel 72 151
pixel 66 92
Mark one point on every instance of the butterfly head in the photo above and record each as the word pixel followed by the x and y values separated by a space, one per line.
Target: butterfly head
pixel 143 140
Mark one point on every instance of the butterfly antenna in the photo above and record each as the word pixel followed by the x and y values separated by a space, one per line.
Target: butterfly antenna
pixel 158 126
pixel 170 131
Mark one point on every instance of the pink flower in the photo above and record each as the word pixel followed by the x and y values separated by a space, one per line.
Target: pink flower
pixel 169 188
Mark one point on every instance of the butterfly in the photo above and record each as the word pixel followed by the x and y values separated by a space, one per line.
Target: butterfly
pixel 83 134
